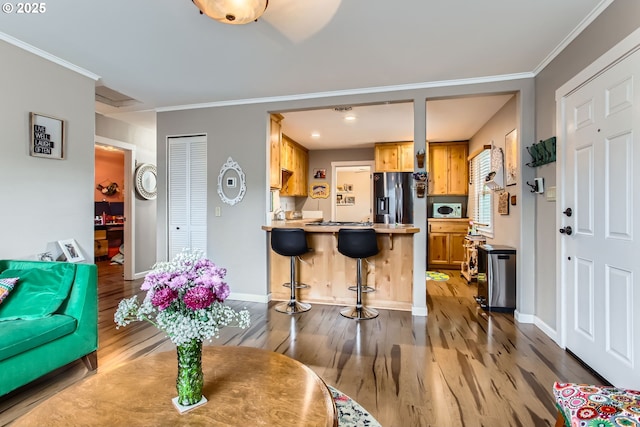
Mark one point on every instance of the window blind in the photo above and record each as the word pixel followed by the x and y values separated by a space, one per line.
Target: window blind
pixel 481 196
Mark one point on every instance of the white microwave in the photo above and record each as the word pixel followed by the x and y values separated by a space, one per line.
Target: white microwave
pixel 447 210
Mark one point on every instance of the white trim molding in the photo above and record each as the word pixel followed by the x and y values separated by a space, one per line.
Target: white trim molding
pixel 49 57
pixel 249 297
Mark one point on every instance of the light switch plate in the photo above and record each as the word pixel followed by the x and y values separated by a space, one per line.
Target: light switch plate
pixel 551 194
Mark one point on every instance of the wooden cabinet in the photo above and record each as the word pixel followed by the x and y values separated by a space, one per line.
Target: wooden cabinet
pixel 294 160
pixel 446 242
pixel 394 157
pixel 448 168
pixel 275 141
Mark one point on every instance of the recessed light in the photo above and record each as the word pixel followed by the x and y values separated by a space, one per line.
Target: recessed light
pixel 315 135
pixel 350 117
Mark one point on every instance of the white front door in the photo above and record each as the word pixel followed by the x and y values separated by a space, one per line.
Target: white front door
pixel 600 258
pixel 187 198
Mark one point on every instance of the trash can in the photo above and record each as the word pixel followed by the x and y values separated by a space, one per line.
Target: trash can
pixel 496 278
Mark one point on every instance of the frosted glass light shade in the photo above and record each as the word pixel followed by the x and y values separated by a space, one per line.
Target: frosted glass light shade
pixel 232 11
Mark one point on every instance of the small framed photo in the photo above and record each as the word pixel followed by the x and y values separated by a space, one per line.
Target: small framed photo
pixel 231 182
pixel 320 174
pixel 71 250
pixel 503 203
pixel 47 136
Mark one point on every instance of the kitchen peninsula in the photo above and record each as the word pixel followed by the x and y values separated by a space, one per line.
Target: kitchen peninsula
pixel 329 273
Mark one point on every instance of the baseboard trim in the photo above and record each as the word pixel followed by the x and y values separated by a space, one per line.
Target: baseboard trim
pixel 523 318
pixel 140 275
pixel 250 297
pixel 548 330
pixel 419 311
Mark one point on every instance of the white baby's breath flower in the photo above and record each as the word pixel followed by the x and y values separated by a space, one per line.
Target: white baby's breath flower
pixel 199 318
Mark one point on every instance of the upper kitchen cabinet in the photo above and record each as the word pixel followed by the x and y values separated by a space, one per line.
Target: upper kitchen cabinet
pixel 294 162
pixel 448 168
pixel 275 142
pixel 394 157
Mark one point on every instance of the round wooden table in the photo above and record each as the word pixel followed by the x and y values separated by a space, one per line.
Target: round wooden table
pixel 245 386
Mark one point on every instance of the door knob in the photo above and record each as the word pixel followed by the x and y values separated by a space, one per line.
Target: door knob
pixel 568 212
pixel 567 230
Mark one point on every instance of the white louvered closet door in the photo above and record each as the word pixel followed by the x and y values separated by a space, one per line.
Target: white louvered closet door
pixel 187 193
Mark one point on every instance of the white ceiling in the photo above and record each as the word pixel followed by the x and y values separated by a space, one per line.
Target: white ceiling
pixel 165 54
pixel 455 119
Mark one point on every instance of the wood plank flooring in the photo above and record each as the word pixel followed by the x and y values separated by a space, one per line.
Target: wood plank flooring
pixel 457 367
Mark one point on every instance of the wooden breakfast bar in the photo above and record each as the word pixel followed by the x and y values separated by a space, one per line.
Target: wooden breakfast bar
pixel 329 273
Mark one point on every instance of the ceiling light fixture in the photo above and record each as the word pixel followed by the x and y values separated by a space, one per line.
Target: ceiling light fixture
pixel 232 11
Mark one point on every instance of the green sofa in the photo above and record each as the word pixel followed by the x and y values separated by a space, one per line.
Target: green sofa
pixel 48 320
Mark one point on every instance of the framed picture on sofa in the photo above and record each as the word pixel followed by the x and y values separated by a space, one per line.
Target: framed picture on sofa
pixel 71 250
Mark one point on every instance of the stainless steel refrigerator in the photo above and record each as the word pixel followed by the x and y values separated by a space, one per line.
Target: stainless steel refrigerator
pixel 393 199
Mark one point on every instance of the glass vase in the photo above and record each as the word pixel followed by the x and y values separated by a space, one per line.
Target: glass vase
pixel 190 379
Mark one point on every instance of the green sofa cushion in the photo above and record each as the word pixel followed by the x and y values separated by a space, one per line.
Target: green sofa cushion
pixel 21 335
pixel 39 291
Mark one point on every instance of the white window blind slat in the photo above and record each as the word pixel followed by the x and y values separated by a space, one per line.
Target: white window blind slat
pixel 482 212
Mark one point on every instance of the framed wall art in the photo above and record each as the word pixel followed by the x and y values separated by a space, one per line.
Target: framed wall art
pixel 511 154
pixel 47 136
pixel 319 190
pixel 319 174
pixel 503 203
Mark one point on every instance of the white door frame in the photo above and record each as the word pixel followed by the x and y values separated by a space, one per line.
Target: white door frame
pixel 334 177
pixel 129 201
pixel 620 51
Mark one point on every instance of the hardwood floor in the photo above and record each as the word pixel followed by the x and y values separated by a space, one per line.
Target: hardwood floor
pixel 457 367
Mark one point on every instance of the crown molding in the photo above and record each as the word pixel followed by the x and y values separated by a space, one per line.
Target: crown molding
pixel 573 35
pixel 49 57
pixel 369 90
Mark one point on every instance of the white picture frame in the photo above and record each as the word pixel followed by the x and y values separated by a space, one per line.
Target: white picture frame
pixel 511 157
pixel 71 250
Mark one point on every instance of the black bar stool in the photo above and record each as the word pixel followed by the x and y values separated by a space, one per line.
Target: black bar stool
pixel 291 242
pixel 358 244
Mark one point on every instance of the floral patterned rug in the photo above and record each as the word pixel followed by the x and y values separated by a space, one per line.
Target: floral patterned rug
pixel 350 413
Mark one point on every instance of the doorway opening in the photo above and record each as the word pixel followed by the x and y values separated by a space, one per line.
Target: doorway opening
pixel 352 190
pixel 114 210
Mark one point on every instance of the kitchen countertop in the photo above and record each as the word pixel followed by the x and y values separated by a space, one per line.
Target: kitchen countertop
pixel 306 226
pixel 449 219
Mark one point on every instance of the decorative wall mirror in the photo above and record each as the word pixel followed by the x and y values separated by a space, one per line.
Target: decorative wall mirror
pixel 231 183
pixel 146 181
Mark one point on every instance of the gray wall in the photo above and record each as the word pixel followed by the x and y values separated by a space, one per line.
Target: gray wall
pixel 505 227
pixel 619 20
pixel 145 210
pixel 236 239
pixel 44 200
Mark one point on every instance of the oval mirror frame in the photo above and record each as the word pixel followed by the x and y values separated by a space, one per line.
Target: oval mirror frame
pixel 146 181
pixel 231 165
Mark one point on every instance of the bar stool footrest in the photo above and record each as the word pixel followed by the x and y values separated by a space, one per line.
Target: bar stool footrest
pixel 299 285
pixel 365 289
